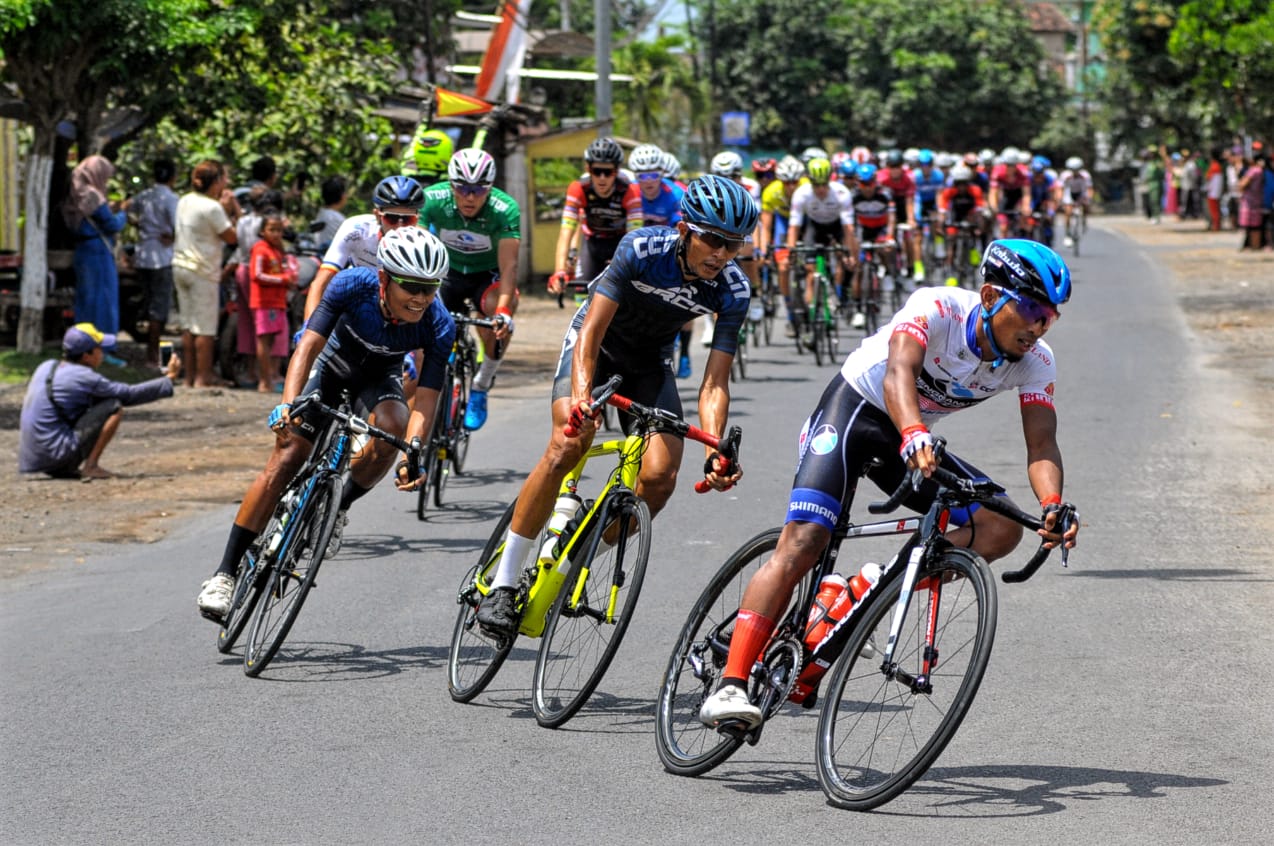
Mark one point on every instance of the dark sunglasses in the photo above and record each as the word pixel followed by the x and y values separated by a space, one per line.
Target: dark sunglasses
pixel 602 171
pixel 399 219
pixel 715 241
pixel 1031 309
pixel 469 189
pixel 650 176
pixel 416 286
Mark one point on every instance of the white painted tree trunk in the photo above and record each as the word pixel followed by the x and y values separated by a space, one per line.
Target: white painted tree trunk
pixel 35 244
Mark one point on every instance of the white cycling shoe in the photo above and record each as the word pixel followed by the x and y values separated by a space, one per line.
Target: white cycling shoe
pixel 729 703
pixel 214 597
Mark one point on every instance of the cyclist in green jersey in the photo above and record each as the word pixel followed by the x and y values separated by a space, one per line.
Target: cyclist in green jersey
pixel 481 227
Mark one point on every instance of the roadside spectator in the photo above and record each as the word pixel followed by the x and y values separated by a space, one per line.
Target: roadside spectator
pixel 272 273
pixel 155 211
pixel 1269 199
pixel 1189 186
pixel 1214 187
pixel 331 216
pixel 1251 197
pixel 1172 183
pixel 205 221
pixel 247 230
pixel 1151 183
pixel 1233 172
pixel 71 412
pixel 95 223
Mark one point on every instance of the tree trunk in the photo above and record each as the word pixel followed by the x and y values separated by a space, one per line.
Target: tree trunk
pixel 35 242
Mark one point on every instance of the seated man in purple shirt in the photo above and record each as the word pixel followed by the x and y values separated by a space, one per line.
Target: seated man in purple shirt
pixel 71 412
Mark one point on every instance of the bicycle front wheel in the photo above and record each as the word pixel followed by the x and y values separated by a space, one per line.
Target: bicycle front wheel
pixel 290 580
pixel 475 656
pixel 591 614
pixel 881 728
pixel 686 746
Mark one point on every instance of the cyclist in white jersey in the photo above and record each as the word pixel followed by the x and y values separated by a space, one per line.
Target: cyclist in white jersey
pixel 823 213
pixel 947 349
pixel 1075 187
pixel 397 201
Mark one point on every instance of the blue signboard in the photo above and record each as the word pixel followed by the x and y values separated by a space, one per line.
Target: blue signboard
pixel 735 128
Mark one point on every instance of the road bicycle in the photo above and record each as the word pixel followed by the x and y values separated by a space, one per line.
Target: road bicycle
pixel 933 245
pixel 907 658
pixel 878 288
pixel 739 364
pixel 966 255
pixel 277 572
pixel 580 595
pixel 1076 226
pixel 770 297
pixel 820 333
pixel 448 444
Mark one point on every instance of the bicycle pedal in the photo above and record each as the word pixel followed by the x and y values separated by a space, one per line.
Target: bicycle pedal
pixel 736 730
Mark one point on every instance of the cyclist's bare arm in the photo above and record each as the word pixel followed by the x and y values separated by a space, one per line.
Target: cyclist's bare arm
pixel 714 410
pixel 601 311
pixel 314 293
pixel 1044 464
pixel 561 254
pixel 507 260
pixel 902 402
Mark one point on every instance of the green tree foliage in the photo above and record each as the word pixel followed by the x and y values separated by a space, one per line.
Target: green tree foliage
pixel 663 94
pixel 1229 47
pixel 951 73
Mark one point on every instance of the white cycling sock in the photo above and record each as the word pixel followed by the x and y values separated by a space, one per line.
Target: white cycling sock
pixel 486 374
pixel 516 548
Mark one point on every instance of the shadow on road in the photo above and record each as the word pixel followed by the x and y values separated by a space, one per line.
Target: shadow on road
pixel 303 661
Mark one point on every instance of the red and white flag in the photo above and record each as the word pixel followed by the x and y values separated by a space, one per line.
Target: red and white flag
pixel 505 54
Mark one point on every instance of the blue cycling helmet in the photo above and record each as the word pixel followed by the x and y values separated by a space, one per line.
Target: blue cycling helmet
pixel 847 168
pixel 1028 267
pixel 866 172
pixel 925 157
pixel 721 204
pixel 398 192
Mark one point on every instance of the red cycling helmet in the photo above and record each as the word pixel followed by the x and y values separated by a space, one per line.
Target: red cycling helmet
pixel 760 166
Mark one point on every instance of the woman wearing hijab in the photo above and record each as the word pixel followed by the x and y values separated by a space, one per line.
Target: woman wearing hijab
pixel 95 224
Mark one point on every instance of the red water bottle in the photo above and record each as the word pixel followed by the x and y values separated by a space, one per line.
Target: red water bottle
pixel 803 692
pixel 830 590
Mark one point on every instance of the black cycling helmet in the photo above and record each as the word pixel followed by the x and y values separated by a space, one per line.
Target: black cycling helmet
pixel 398 192
pixel 604 151
pixel 893 159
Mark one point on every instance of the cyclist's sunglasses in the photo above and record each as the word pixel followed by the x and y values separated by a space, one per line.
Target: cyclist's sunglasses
pixel 650 176
pixel 602 171
pixel 399 219
pixel 716 241
pixel 470 189
pixel 1031 309
pixel 416 286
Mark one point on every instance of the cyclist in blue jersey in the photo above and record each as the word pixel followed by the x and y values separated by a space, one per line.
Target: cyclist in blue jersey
pixel 659 277
pixel 355 340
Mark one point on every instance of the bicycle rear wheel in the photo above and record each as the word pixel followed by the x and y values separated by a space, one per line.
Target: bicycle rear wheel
pixel 290 580
pixel 459 448
pixel 830 338
pixel 475 656
pixel 686 746
pixel 877 735
pixel 591 614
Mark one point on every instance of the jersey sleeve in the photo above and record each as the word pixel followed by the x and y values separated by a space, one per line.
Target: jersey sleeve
pixel 917 314
pixel 725 335
pixel 441 336
pixel 338 254
pixel 1041 378
pixel 573 206
pixel 334 302
pixel 633 215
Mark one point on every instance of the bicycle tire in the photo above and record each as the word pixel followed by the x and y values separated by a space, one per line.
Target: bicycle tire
pixel 474 657
pixel 830 339
pixel 458 449
pixel 1073 230
pixel 579 644
pixel 739 364
pixel 293 574
pixel 686 746
pixel 249 581
pixel 877 736
pixel 433 466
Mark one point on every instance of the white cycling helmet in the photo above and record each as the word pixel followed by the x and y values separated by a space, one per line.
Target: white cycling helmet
pixel 942 161
pixel 671 166
pixel 810 153
pixel 1074 163
pixel 727 164
pixel 961 173
pixel 1008 155
pixel 1024 157
pixel 789 169
pixel 646 158
pixel 472 166
pixel 911 156
pixel 986 156
pixel 414 253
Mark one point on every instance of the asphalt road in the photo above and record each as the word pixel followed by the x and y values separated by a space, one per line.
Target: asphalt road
pixel 1126 700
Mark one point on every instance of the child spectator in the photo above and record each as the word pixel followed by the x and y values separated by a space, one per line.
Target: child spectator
pixel 271 272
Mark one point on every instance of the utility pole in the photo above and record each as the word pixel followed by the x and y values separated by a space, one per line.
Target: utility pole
pixel 601 51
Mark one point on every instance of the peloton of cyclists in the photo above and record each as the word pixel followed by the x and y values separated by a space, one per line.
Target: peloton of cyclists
pixel 823 213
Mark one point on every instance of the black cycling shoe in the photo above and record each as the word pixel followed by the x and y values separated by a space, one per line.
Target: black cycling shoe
pixel 498 612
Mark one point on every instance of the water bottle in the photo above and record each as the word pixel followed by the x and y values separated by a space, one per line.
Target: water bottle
pixel 288 503
pixel 567 506
pixel 939 246
pixel 846 595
